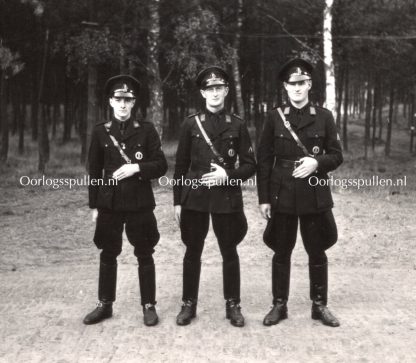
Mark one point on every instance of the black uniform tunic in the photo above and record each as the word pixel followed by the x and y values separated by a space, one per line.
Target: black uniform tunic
pixel 308 198
pixel 230 137
pixel 131 200
pixel 316 129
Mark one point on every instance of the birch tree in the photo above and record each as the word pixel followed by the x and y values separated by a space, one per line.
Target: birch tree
pixel 235 61
pixel 155 84
pixel 328 59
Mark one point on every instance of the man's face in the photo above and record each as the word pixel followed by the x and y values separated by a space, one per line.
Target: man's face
pixel 215 95
pixel 298 91
pixel 122 107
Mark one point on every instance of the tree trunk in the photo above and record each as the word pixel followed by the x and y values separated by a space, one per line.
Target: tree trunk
pixel 67 112
pixel 235 62
pixel 374 112
pixel 412 119
pixel 43 141
pixel 380 113
pixel 21 124
pixel 328 59
pixel 15 100
pixel 345 115
pixel 55 116
pixel 390 121
pixel 34 107
pixel 339 96
pixel 4 121
pixel 156 91
pixel 367 119
pixel 86 130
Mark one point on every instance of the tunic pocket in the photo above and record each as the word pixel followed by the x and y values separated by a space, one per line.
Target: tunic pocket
pixel 315 141
pixel 230 145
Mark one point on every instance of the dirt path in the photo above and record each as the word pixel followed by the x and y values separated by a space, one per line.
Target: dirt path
pixel 48 278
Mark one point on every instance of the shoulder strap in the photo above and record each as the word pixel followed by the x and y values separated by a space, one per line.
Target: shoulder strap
pixel 117 145
pixel 295 137
pixel 208 140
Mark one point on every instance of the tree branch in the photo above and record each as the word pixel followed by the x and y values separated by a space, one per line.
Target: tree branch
pixel 303 44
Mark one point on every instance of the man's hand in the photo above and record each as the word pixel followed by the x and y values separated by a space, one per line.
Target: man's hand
pixel 216 177
pixel 265 210
pixel 94 215
pixel 177 213
pixel 126 171
pixel 307 167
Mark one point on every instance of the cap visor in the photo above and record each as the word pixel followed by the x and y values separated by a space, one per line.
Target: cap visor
pixel 123 95
pixel 298 78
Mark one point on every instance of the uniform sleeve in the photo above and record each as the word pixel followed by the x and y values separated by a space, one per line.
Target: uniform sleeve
pixel 95 167
pixel 183 160
pixel 265 160
pixel 332 146
pixel 156 165
pixel 247 162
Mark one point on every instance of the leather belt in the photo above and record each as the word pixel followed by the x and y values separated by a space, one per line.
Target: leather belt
pixel 288 164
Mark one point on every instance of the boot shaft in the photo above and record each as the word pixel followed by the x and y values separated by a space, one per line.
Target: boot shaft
pixel 107 282
pixel 191 276
pixel 231 280
pixel 280 281
pixel 147 282
pixel 318 278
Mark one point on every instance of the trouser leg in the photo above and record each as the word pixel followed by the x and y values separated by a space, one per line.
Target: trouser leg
pixel 194 229
pixel 142 233
pixel 311 229
pixel 147 281
pixel 284 240
pixel 107 281
pixel 230 229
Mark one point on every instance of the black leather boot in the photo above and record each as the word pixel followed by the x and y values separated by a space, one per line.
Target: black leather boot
pixel 318 275
pixel 191 274
pixel 147 281
pixel 280 289
pixel 107 282
pixel 187 313
pixel 231 283
pixel 233 313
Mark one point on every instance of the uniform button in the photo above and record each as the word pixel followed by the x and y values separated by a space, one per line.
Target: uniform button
pixel 281 135
pixel 139 145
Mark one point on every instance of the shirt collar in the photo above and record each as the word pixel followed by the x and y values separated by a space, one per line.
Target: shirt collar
pixel 121 124
pixel 219 113
pixel 300 111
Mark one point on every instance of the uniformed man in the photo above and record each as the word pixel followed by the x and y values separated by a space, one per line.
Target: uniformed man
pixel 298 147
pixel 214 157
pixel 125 154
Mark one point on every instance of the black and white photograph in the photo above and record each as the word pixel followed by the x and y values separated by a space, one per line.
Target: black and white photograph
pixel 207 181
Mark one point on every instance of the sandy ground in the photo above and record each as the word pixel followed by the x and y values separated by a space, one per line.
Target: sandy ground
pixel 48 282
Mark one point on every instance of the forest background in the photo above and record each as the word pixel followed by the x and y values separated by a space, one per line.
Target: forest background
pixel 55 57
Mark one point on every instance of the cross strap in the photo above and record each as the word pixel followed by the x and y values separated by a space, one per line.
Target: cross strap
pixel 117 145
pixel 208 141
pixel 295 137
